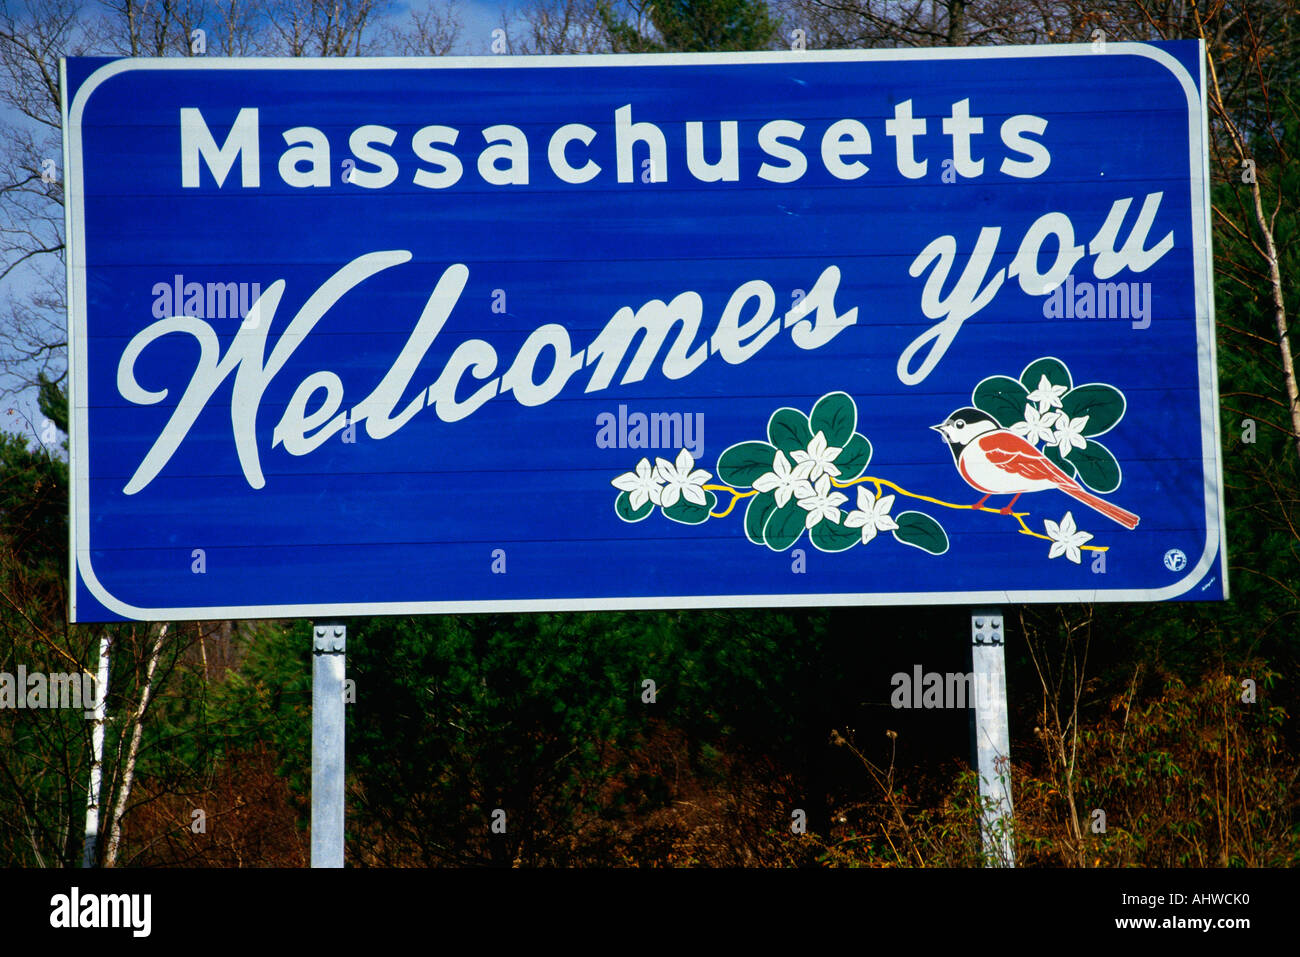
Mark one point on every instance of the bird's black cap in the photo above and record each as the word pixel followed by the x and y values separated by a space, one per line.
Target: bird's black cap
pixel 966 415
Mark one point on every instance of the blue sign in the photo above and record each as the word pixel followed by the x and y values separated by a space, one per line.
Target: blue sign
pixel 811 328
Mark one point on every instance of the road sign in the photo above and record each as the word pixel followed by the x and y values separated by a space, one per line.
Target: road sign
pixel 420 335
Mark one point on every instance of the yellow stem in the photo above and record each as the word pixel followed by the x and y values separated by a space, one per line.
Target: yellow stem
pixel 735 497
pixel 881 484
pixel 1018 516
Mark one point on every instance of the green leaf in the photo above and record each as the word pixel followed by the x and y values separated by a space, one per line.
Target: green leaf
pixel 1101 403
pixel 1054 454
pixel 1054 369
pixel 830 537
pixel 744 462
pixel 760 509
pixel 836 416
pixel 853 458
pixel 788 429
pixel 1097 467
pixel 688 513
pixel 1003 398
pixel 921 531
pixel 52 400
pixel 623 506
pixel 785 526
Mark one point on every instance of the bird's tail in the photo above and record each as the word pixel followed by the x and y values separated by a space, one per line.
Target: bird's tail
pixel 1113 512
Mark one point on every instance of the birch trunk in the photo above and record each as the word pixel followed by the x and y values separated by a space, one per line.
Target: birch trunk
pixel 97 755
pixel 128 771
pixel 1265 224
pixel 1279 314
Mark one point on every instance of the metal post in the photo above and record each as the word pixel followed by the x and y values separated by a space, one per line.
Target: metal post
pixel 990 735
pixel 329 646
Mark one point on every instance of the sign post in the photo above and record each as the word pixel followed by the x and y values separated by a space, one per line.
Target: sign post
pixel 329 649
pixel 991 736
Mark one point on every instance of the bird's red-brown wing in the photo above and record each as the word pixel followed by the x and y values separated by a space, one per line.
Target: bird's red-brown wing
pixel 1009 451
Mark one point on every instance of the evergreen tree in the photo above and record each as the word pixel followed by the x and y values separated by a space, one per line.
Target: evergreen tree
pixel 693 27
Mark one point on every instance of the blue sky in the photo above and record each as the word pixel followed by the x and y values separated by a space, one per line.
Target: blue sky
pixel 480 18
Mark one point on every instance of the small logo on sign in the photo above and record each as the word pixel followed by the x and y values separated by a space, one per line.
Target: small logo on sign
pixel 1175 560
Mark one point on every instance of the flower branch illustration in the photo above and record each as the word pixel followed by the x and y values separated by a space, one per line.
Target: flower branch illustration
pixel 1018 436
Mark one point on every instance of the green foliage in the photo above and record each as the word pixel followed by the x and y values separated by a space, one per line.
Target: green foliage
pixel 1098 406
pixel 459 715
pixel 540 715
pixel 1053 369
pixel 853 460
pixel 1260 458
pixel 789 431
pixel 1194 778
pixel 1003 398
pixel 757 513
pixel 742 464
pixel 33 504
pixel 835 416
pixel 785 526
pixel 919 529
pixel 41 751
pixel 201 723
pixel 832 537
pixel 1096 467
pixel 53 402
pixel 832 423
pixel 1103 405
pixel 927 822
pixel 686 26
pixel 688 512
pixel 623 506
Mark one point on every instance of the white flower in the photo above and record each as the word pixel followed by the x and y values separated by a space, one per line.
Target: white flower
pixel 680 482
pixel 1037 426
pixel 1047 396
pixel 823 503
pixel 641 485
pixel 784 481
pixel 1066 539
pixel 1069 433
pixel 820 455
pixel 871 516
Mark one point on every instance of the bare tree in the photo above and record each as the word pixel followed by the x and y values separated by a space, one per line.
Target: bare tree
pixel 555 26
pixel 150 27
pixel 326 27
pixel 1060 659
pixel 33 36
pixel 430 32
pixel 871 24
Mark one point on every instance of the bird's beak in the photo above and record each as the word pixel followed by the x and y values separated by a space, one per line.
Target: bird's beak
pixel 939 428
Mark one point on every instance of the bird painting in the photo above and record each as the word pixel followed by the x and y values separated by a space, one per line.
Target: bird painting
pixel 997 461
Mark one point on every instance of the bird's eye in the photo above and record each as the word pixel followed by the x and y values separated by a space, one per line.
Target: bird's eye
pixel 961 422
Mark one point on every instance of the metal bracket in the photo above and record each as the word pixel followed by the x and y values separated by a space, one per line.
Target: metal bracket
pixel 986 628
pixel 329 638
